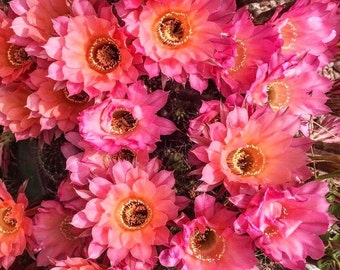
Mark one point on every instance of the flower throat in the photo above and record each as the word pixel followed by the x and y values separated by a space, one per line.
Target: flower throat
pixel 173 29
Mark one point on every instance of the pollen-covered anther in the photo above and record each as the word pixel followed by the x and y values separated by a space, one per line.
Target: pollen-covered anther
pixel 80 98
pixel 104 55
pixel 278 95
pixel 8 224
pixel 207 246
pixel 66 228
pixel 247 161
pixel 135 214
pixel 241 56
pixel 17 56
pixel 173 29
pixel 122 122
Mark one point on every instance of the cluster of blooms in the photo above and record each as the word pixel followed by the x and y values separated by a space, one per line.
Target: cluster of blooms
pixel 73 69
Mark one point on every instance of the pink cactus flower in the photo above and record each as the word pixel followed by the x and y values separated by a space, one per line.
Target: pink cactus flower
pixel 15 227
pixel 255 150
pixel 208 242
pixel 252 45
pixel 127 120
pixel 91 54
pixel 55 237
pixel 306 18
pixel 285 222
pixel 57 108
pixel 176 37
pixel 33 25
pixel 294 86
pixel 128 213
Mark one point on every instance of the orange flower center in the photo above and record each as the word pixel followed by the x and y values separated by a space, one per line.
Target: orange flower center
pixel 8 224
pixel 289 35
pixel 135 214
pixel 241 56
pixel 247 161
pixel 104 55
pixel 173 29
pixel 278 95
pixel 80 98
pixel 124 154
pixel 66 228
pixel 271 231
pixel 17 56
pixel 207 246
pixel 122 122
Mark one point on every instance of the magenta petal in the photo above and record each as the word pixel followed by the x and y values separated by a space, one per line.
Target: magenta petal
pixel 117 255
pixel 100 186
pixel 204 205
pixel 170 257
pixel 198 83
pixel 95 250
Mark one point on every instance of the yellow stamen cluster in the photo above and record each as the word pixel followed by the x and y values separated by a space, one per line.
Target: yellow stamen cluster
pixel 17 56
pixel 207 246
pixel 135 214
pixel 289 35
pixel 173 29
pixel 241 56
pixel 104 55
pixel 8 224
pixel 278 95
pixel 80 98
pixel 247 161
pixel 122 122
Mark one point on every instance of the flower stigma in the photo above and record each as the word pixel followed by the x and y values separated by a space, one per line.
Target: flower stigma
pixel 135 214
pixel 17 56
pixel 103 55
pixel 247 161
pixel 8 224
pixel 207 246
pixel 122 122
pixel 173 29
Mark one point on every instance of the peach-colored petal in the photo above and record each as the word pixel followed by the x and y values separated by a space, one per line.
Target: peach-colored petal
pixel 17 117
